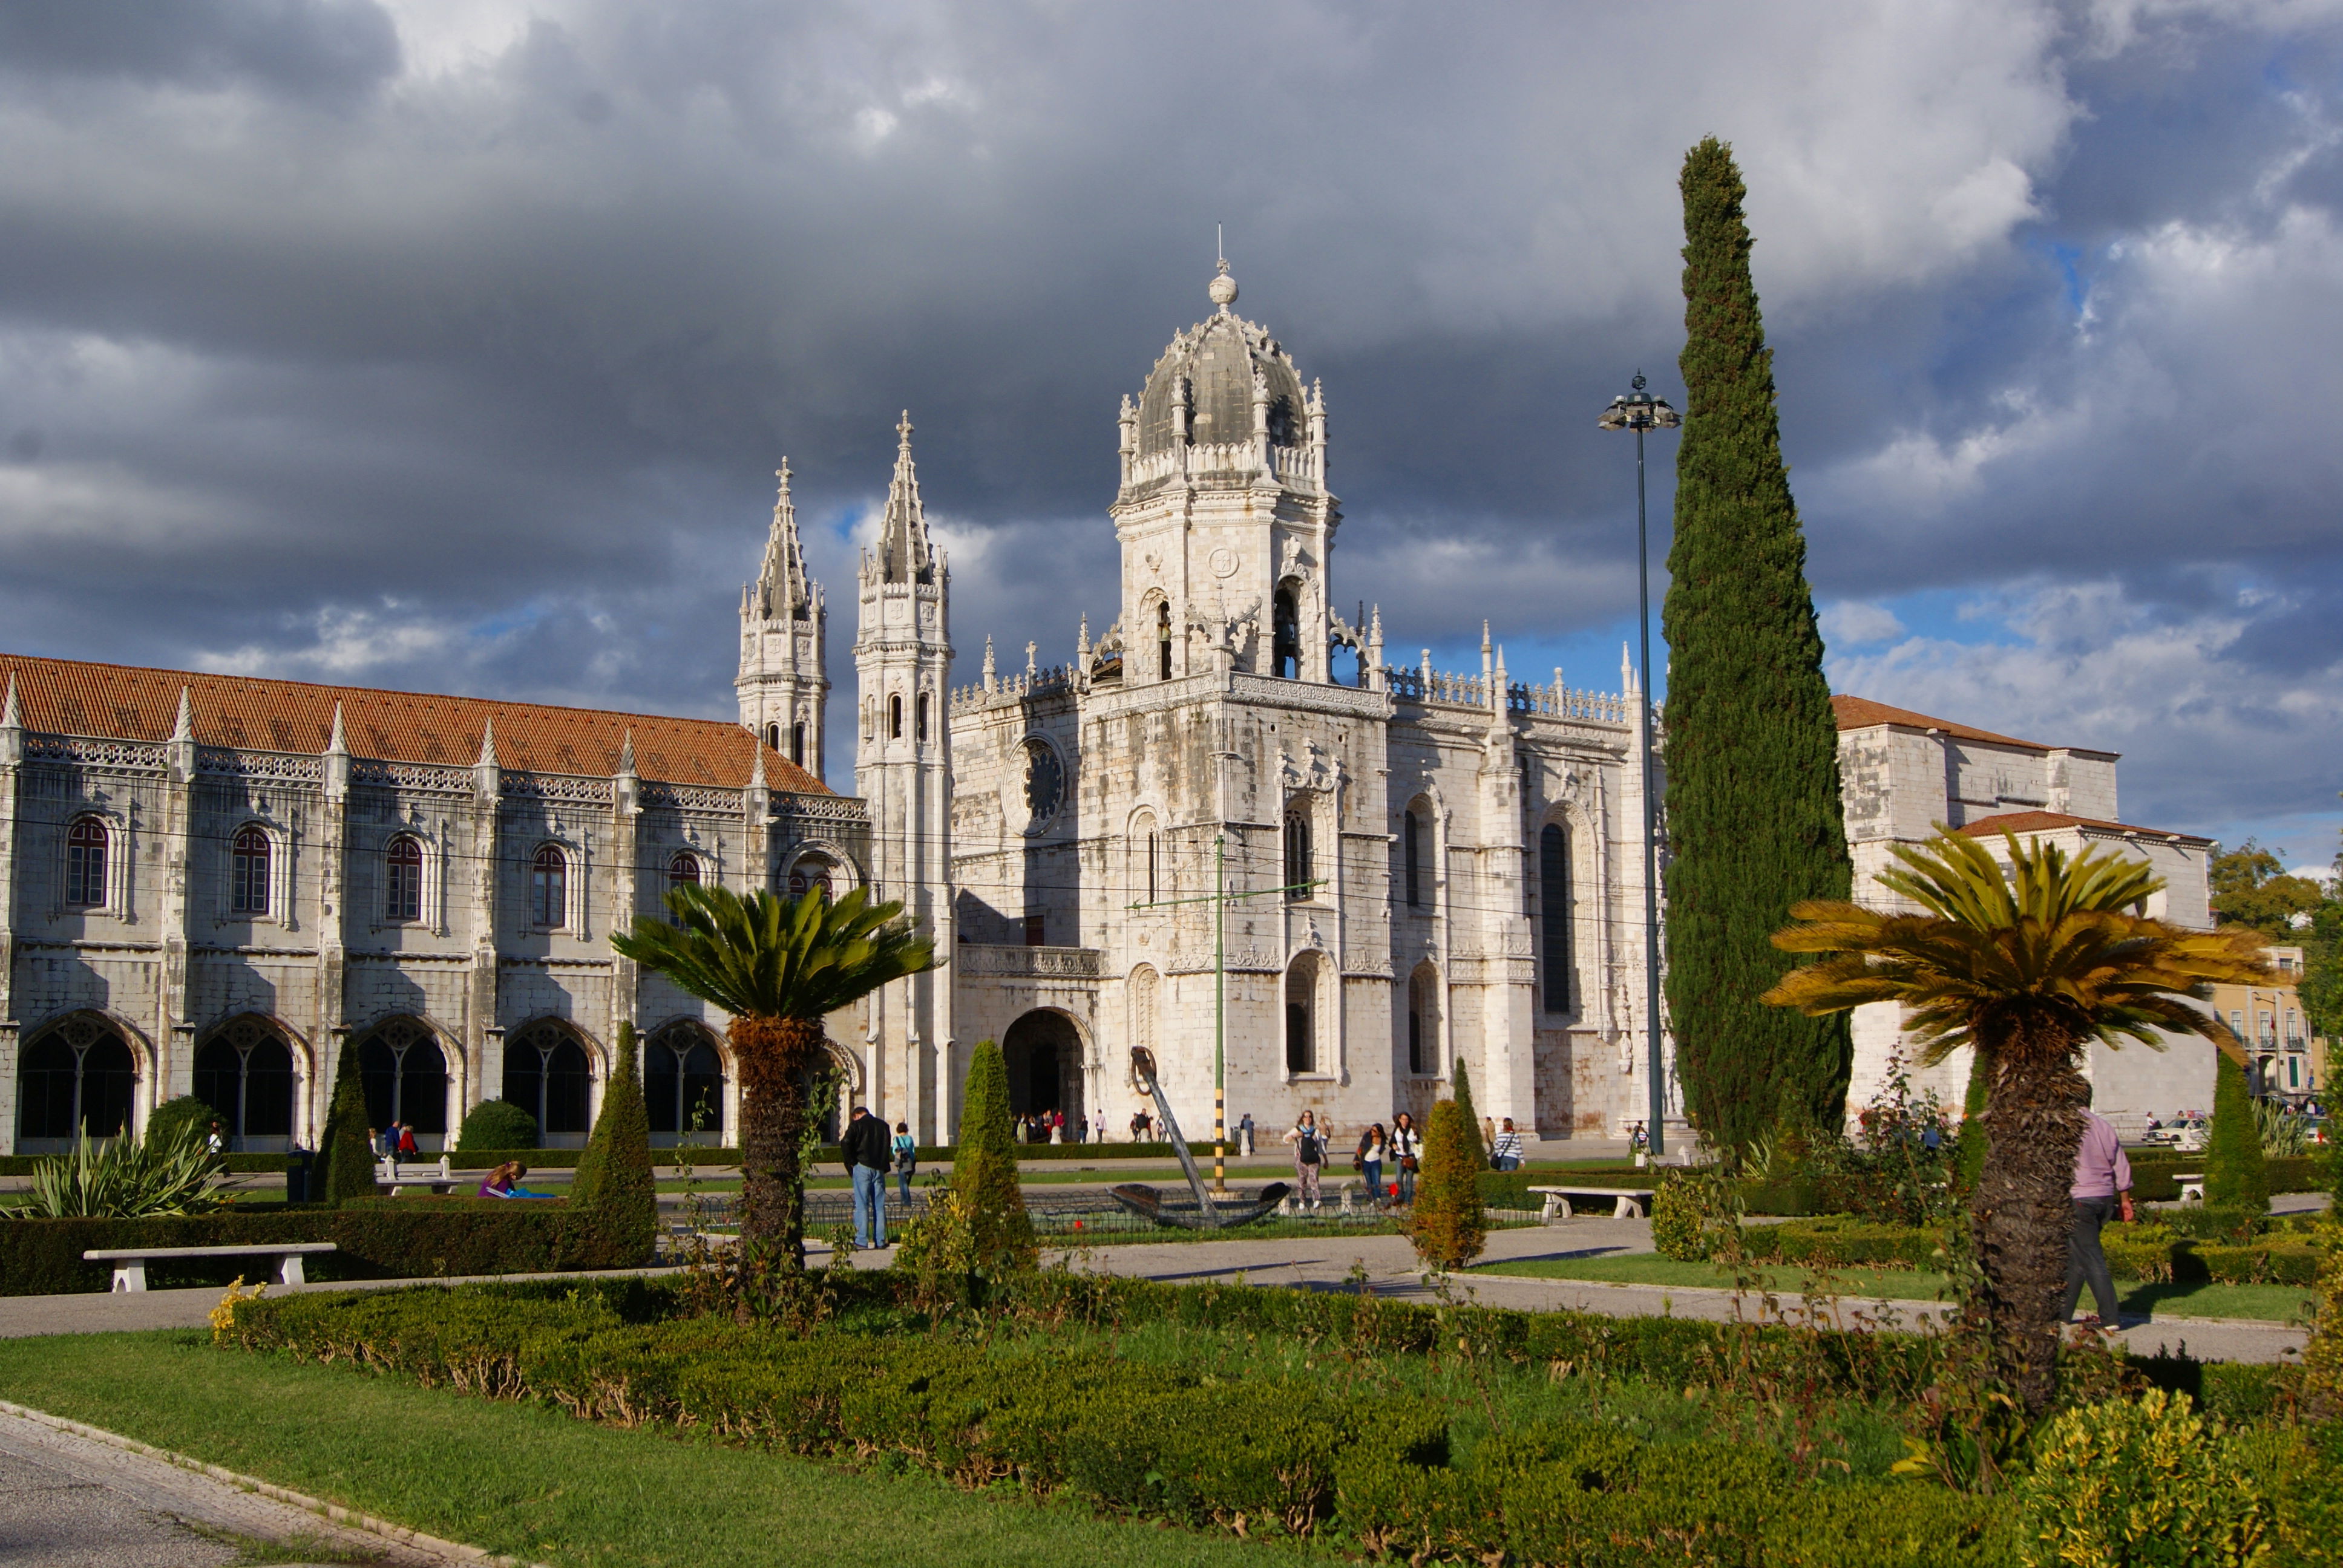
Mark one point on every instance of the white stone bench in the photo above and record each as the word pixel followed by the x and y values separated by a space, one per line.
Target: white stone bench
pixel 1626 1202
pixel 130 1262
pixel 438 1178
pixel 2192 1186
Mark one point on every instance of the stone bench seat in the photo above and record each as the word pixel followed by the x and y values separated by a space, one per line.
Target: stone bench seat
pixel 438 1178
pixel 2192 1186
pixel 1626 1202
pixel 130 1262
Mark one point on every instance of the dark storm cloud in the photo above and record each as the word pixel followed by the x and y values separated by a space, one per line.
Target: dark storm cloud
pixel 452 343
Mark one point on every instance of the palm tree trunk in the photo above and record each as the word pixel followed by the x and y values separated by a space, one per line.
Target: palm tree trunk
pixel 773 1053
pixel 2023 1211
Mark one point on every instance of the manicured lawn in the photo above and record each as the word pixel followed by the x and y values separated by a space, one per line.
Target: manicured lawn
pixel 545 1487
pixel 2273 1303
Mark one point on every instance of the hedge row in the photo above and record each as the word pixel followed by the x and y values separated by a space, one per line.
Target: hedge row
pixel 2154 1176
pixel 2149 1251
pixel 377 1239
pixel 1259 1455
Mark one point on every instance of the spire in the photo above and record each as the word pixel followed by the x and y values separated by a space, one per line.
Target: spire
pixel 185 730
pixel 626 751
pixel 905 553
pixel 784 590
pixel 757 773
pixel 10 719
pixel 488 743
pixel 335 745
pixel 1082 643
pixel 1627 671
pixel 990 669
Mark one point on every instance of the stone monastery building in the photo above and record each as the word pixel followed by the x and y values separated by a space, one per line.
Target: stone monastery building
pixel 218 885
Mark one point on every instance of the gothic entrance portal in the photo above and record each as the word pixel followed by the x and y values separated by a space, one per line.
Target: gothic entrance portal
pixel 1044 1055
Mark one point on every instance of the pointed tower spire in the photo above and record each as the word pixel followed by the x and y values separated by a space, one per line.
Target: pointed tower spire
pixel 185 730
pixel 10 719
pixel 488 743
pixel 626 751
pixel 1627 671
pixel 336 746
pixel 783 591
pixel 757 773
pixel 905 552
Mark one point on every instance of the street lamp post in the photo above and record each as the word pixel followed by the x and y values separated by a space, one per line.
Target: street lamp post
pixel 1640 411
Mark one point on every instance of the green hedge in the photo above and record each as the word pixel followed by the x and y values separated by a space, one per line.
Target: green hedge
pixel 379 1239
pixel 1837 1241
pixel 2153 1176
pixel 1264 1455
pixel 2154 1252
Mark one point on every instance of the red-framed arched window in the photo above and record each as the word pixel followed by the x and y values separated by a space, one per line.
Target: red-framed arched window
pixel 247 872
pixel 86 843
pixel 403 879
pixel 813 872
pixel 548 887
pixel 684 867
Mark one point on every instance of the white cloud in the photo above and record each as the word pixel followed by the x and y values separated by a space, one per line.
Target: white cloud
pixel 1850 623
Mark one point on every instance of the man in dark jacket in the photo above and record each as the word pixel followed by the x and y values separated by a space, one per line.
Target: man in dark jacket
pixel 864 1150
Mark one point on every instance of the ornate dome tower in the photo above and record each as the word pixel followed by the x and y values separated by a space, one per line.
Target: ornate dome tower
pixel 1223 514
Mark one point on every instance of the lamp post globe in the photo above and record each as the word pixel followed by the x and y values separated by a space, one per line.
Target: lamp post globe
pixel 1639 411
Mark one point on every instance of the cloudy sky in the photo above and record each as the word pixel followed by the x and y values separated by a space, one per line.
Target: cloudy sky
pixel 452 344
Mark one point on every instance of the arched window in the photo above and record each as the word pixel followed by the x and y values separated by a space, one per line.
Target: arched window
pixel 683 1086
pixel 796 743
pixel 247 872
pixel 1285 640
pixel 681 867
pixel 1145 856
pixel 773 736
pixel 1146 1004
pixel 895 718
pixel 1553 915
pixel 549 888
pixel 1297 855
pixel 1302 1015
pixel 811 874
pixel 76 1079
pixel 1412 857
pixel 1163 639
pixel 85 850
pixel 545 1075
pixel 923 735
pixel 404 1076
pixel 245 1073
pixel 402 866
pixel 1415 1026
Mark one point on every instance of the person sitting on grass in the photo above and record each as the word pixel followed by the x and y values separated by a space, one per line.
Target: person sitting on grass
pixel 504 1181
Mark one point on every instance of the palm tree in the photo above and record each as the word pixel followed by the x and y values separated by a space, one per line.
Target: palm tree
pixel 2028 968
pixel 778 966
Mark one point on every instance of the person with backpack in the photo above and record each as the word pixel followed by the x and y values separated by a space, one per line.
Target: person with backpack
pixel 1309 1155
pixel 1505 1149
pixel 1407 1151
pixel 905 1150
pixel 1369 1160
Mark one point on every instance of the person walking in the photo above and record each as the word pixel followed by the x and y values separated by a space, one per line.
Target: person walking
pixel 1505 1149
pixel 1369 1160
pixel 1406 1151
pixel 1244 1134
pixel 905 1148
pixel 2101 1189
pixel 406 1139
pixel 864 1150
pixel 1309 1155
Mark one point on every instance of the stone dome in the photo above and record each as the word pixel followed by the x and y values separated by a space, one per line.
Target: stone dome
pixel 1217 360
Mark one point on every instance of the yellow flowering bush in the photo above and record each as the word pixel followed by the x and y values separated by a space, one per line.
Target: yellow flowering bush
pixel 2142 1484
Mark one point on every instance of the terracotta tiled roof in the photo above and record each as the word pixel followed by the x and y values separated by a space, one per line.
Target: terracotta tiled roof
pixel 123 702
pixel 2041 821
pixel 1861 713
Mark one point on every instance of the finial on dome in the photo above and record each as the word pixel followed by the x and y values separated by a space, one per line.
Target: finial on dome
pixel 1223 289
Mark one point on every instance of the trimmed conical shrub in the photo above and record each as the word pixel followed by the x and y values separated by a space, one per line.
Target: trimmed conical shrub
pixel 984 1169
pixel 615 1195
pixel 1448 1229
pixel 1461 1087
pixel 1755 822
pixel 2235 1174
pixel 345 1162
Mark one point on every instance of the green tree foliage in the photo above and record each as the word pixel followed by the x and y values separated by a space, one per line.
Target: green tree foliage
pixel 1448 1228
pixel 614 1193
pixel 2029 966
pixel 2236 1176
pixel 496 1125
pixel 2249 886
pixel 1461 1087
pixel 1968 1160
pixel 185 1111
pixel 779 966
pixel 346 1161
pixel 984 1169
pixel 1752 789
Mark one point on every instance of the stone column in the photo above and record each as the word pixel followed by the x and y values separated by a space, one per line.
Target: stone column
pixel 333 879
pixel 483 1036
pixel 12 768
pixel 174 1032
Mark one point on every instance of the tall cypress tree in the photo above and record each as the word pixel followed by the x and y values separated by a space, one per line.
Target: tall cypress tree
pixel 1754 820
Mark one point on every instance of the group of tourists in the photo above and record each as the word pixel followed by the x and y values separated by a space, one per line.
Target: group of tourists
pixel 396 1142
pixel 1396 1153
pixel 1054 1127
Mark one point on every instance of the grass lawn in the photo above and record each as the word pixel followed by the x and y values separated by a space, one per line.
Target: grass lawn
pixel 544 1487
pixel 2273 1303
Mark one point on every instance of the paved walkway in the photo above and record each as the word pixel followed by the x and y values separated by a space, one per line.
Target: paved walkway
pixel 1389 1265
pixel 72 1496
